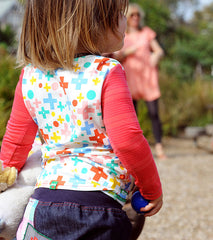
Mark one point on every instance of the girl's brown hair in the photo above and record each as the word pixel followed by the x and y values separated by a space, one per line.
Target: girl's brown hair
pixel 54 31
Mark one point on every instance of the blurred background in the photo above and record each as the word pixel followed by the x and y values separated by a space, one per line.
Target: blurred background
pixel 185 31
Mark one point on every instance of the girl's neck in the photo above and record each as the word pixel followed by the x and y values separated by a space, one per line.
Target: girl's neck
pixel 81 51
pixel 77 55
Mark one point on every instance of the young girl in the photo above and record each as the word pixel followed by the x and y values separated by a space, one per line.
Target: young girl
pixel 81 104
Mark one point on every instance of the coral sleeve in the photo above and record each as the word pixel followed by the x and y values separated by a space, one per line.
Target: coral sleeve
pixel 126 136
pixel 20 133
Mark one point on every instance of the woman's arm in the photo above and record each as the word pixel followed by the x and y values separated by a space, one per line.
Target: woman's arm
pixel 157 52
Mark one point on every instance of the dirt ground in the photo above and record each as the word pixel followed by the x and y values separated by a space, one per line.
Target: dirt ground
pixel 187 179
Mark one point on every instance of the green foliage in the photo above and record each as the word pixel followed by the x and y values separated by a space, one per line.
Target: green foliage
pixel 187 55
pixel 7 37
pixel 184 103
pixel 193 46
pixel 202 21
pixel 181 104
pixel 9 76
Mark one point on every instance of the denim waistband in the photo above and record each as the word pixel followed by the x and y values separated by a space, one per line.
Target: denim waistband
pixel 87 198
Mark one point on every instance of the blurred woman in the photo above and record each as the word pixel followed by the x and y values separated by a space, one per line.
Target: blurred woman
pixel 140 56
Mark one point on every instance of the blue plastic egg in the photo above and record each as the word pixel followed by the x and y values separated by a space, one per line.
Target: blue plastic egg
pixel 138 201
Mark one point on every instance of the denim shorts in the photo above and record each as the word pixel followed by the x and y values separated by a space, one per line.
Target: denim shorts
pixel 71 221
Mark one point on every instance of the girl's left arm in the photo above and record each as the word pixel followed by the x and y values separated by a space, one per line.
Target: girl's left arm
pixel 20 133
pixel 126 136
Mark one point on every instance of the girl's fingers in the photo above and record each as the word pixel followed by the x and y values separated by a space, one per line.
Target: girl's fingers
pixel 148 207
pixel 152 208
pixel 152 212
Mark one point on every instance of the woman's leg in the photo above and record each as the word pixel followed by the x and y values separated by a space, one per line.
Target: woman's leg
pixel 156 127
pixel 155 119
pixel 135 103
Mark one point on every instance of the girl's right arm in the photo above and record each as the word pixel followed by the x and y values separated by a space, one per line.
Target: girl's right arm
pixel 20 133
pixel 127 138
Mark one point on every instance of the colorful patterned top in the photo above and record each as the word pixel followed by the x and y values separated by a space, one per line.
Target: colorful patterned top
pixel 72 110
pixel 66 105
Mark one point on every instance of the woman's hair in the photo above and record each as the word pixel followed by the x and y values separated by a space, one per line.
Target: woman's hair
pixel 131 9
pixel 54 30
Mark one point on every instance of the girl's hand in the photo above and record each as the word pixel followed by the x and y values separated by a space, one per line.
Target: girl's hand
pixel 153 207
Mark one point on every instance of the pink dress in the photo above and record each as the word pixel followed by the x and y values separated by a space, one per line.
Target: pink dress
pixel 142 78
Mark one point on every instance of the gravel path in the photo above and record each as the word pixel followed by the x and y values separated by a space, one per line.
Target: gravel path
pixel 187 179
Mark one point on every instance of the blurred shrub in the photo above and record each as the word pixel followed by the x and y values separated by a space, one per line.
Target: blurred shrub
pixel 181 104
pixel 8 38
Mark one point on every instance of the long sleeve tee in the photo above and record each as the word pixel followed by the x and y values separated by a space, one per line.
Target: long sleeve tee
pixel 122 127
